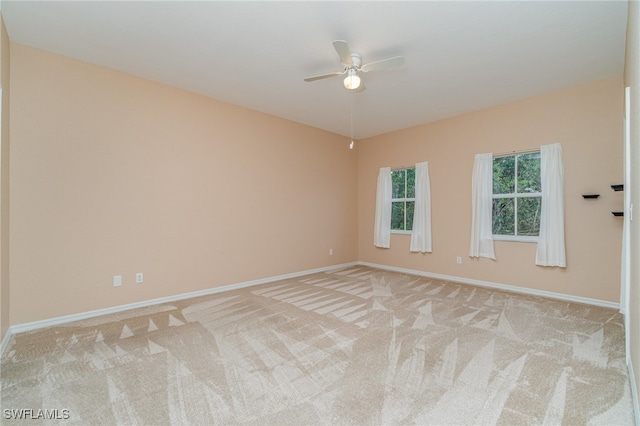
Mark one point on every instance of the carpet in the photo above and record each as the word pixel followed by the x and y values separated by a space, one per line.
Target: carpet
pixel 354 346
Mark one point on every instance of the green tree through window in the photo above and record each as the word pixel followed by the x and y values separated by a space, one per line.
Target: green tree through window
pixel 403 197
pixel 516 195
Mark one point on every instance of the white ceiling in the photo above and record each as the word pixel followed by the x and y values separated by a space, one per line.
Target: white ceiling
pixel 460 56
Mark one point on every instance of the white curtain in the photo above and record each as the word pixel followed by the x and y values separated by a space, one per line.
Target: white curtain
pixel 551 250
pixel 382 231
pixel 481 205
pixel 421 231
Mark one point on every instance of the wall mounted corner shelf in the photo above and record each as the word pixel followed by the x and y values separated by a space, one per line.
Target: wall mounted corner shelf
pixel 619 187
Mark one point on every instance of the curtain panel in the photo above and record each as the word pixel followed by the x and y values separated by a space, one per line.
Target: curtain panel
pixel 382 229
pixel 481 204
pixel 551 246
pixel 421 230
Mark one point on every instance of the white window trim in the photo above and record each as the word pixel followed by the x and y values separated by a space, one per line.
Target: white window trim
pixel 402 200
pixel 516 195
pixel 398 200
pixel 516 238
pixel 401 232
pixel 520 238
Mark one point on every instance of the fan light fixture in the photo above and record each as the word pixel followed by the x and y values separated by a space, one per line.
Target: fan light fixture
pixel 352 81
pixel 352 66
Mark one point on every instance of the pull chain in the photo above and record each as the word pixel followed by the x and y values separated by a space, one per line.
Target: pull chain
pixel 351 120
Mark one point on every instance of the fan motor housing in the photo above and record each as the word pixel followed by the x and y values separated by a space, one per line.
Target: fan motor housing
pixel 356 59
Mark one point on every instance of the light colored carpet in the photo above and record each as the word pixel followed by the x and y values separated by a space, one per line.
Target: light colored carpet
pixel 357 346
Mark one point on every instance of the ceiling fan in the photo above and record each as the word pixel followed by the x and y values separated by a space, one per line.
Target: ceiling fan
pixel 352 66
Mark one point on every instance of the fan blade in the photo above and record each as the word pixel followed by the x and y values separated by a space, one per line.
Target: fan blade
pixel 342 48
pixel 396 61
pixel 320 77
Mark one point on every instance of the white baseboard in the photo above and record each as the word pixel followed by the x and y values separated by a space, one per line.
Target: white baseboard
pixel 511 288
pixel 634 392
pixel 85 315
pixel 20 328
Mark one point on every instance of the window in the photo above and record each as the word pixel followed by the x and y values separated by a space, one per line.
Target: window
pixel 403 197
pixel 516 197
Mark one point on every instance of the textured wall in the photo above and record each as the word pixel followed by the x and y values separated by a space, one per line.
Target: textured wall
pixel 586 120
pixel 112 174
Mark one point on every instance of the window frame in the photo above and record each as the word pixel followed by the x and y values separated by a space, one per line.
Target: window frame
pixel 515 196
pixel 405 200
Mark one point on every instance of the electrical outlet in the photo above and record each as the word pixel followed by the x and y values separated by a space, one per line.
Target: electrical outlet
pixel 459 260
pixel 117 280
pixel 330 252
pixel 139 277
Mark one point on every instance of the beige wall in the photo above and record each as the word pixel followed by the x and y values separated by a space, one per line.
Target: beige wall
pixel 4 181
pixel 112 174
pixel 632 79
pixel 586 120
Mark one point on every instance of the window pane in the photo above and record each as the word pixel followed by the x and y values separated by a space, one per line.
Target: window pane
pixel 397 215
pixel 504 169
pixel 529 216
pixel 398 183
pixel 529 173
pixel 503 216
pixel 410 206
pixel 411 183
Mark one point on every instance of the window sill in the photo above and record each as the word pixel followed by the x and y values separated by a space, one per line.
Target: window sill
pixel 516 239
pixel 401 232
